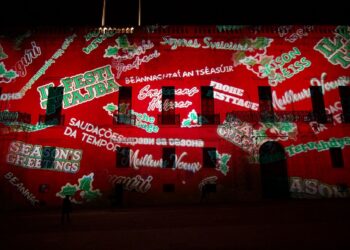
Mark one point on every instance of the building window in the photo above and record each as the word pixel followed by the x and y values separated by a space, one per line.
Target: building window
pixel 265 104
pixel 168 188
pixel 207 115
pixel 344 92
pixel 124 106
pixel 209 157
pixel 123 157
pixel 54 106
pixel 48 157
pixel 318 108
pixel 336 157
pixel 168 105
pixel 169 158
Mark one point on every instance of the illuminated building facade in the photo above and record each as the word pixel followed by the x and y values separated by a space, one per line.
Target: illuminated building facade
pixel 244 113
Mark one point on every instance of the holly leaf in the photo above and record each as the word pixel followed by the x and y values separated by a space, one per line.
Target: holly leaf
pixel 111 107
pixel 286 127
pixel 123 42
pixel 10 74
pixel 223 169
pixel 2 68
pixel 250 61
pixel 193 115
pixel 265 60
pixel 2 53
pixel 266 70
pixel 225 158
pixel 247 41
pixel 238 56
pixel 186 123
pixel 91 195
pixel 68 189
pixel 111 51
pixel 85 183
pixel 261 42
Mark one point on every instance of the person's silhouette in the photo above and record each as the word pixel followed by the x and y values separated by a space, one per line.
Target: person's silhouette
pixel 204 192
pixel 66 209
pixel 118 193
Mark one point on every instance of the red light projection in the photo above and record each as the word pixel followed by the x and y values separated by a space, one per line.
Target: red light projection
pixel 204 99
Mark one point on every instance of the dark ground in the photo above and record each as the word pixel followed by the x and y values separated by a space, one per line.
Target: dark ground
pixel 293 224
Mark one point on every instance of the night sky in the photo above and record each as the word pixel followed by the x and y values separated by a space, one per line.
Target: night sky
pixel 26 13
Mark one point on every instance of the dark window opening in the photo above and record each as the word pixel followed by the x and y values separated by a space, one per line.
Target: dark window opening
pixel 207 115
pixel 48 157
pixel 318 107
pixel 123 157
pixel 336 157
pixel 124 115
pixel 273 171
pixel 168 106
pixel 265 104
pixel 209 188
pixel 344 92
pixel 209 157
pixel 168 188
pixel 54 106
pixel 169 158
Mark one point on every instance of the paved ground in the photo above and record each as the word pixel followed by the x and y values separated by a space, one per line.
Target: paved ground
pixel 296 224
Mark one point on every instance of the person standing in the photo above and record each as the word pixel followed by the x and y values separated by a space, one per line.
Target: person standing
pixel 66 209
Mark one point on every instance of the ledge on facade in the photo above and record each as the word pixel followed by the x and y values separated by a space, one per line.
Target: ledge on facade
pixel 280 116
pixel 169 119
